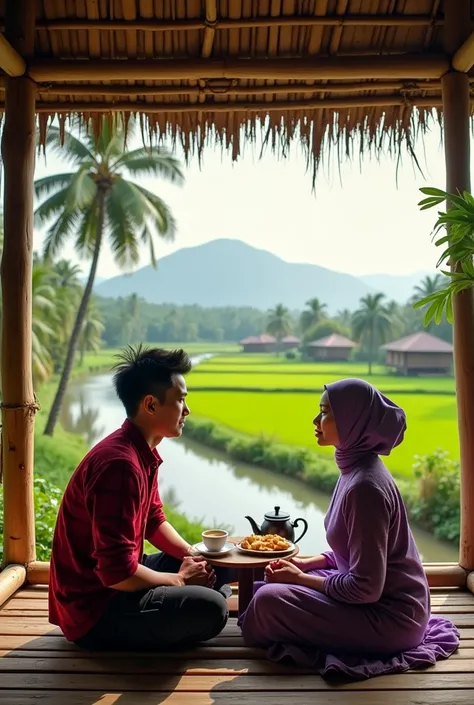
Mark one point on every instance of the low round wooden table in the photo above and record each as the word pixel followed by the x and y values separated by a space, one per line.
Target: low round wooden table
pixel 249 569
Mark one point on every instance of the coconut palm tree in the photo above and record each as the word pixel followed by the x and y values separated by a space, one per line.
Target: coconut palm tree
pixel 43 316
pixel 90 339
pixel 313 314
pixel 371 324
pixel 427 286
pixel 279 323
pixel 44 322
pixel 96 202
pixel 131 312
pixel 344 317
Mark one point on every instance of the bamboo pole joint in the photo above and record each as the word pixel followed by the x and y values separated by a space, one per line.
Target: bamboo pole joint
pixel 11 580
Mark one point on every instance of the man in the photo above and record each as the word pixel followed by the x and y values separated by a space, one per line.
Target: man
pixel 104 593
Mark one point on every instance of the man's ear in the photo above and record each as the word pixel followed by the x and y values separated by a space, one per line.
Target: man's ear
pixel 149 404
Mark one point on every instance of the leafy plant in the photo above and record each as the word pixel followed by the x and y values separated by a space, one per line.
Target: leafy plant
pixel 436 504
pixel 454 230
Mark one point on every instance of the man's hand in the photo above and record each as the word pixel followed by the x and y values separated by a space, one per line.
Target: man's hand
pixel 281 571
pixel 195 571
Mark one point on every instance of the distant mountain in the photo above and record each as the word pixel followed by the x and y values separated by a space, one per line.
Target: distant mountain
pixel 398 287
pixel 231 273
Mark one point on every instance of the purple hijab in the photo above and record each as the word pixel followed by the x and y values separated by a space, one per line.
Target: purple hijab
pixel 368 423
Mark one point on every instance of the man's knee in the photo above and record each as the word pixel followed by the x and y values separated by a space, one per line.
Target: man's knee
pixel 212 609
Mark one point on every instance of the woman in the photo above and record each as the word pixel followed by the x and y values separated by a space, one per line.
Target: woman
pixel 362 609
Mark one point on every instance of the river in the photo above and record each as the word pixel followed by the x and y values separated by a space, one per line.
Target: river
pixel 208 486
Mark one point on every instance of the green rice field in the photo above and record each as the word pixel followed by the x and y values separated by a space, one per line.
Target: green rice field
pixel 430 403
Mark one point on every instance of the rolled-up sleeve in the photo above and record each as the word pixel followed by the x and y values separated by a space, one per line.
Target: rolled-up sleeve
pixel 114 504
pixel 330 559
pixel 366 513
pixel 156 514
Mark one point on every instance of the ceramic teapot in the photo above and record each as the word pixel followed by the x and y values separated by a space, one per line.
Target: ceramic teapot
pixel 278 522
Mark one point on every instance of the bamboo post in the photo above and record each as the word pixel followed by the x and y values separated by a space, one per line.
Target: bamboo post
pixel 18 401
pixel 456 109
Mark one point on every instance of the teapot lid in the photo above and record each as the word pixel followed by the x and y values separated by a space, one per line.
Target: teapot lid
pixel 277 515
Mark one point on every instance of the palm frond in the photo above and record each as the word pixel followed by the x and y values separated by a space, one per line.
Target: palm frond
pixel 73 150
pixel 158 212
pixel 62 228
pixel 86 232
pixel 50 208
pixel 151 162
pixel 55 182
pixel 121 222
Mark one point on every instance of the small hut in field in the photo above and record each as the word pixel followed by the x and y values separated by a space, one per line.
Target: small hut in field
pixel 259 344
pixel 420 354
pixel 332 348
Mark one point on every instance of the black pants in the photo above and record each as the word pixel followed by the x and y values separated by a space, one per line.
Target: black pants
pixel 162 618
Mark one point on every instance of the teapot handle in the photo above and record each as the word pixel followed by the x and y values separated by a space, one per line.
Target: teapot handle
pixel 295 524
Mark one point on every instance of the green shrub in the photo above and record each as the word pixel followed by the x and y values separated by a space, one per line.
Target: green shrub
pixel 434 501
pixel 47 498
pixel 262 450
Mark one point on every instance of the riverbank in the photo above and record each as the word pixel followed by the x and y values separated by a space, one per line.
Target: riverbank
pixel 432 497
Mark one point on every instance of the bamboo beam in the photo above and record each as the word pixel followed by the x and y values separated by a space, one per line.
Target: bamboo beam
pixel 38 573
pixel 18 403
pixel 356 20
pixel 210 28
pixel 11 580
pixel 463 60
pixel 126 106
pixel 227 87
pixel 456 110
pixel 400 66
pixel 439 574
pixel 389 20
pixel 447 575
pixel 208 41
pixel 10 60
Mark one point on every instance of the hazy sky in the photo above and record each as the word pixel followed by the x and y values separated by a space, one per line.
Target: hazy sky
pixel 359 221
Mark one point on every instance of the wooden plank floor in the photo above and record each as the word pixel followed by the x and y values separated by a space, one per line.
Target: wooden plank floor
pixel 37 665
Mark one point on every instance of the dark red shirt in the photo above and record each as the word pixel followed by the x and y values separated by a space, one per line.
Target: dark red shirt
pixel 110 506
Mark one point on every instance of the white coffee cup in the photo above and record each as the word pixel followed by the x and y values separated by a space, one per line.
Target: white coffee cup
pixel 214 539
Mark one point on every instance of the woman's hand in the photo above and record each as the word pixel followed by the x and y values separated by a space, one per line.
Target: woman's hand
pixel 301 563
pixel 281 571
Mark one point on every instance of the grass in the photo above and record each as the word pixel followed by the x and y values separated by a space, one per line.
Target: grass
pixel 235 391
pixel 282 378
pixel 105 359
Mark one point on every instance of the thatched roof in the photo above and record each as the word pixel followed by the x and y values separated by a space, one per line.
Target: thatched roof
pixel 263 339
pixel 320 70
pixel 333 341
pixel 421 342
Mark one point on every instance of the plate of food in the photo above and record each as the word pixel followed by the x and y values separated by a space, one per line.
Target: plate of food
pixel 268 545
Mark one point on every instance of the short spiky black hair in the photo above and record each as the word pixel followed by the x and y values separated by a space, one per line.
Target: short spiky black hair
pixel 141 371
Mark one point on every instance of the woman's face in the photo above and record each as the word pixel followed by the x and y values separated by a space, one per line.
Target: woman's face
pixel 325 424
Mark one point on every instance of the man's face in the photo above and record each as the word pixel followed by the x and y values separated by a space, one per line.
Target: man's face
pixel 168 417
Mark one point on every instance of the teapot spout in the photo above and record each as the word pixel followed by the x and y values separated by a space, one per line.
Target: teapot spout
pixel 255 527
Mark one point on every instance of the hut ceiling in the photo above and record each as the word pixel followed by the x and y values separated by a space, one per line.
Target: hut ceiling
pixel 325 71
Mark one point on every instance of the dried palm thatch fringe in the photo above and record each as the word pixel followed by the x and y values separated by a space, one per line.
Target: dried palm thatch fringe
pixel 322 135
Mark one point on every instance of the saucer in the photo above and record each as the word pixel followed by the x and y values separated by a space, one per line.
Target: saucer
pixel 205 552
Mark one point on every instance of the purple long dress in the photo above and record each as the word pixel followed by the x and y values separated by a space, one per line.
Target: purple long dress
pixel 374 614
